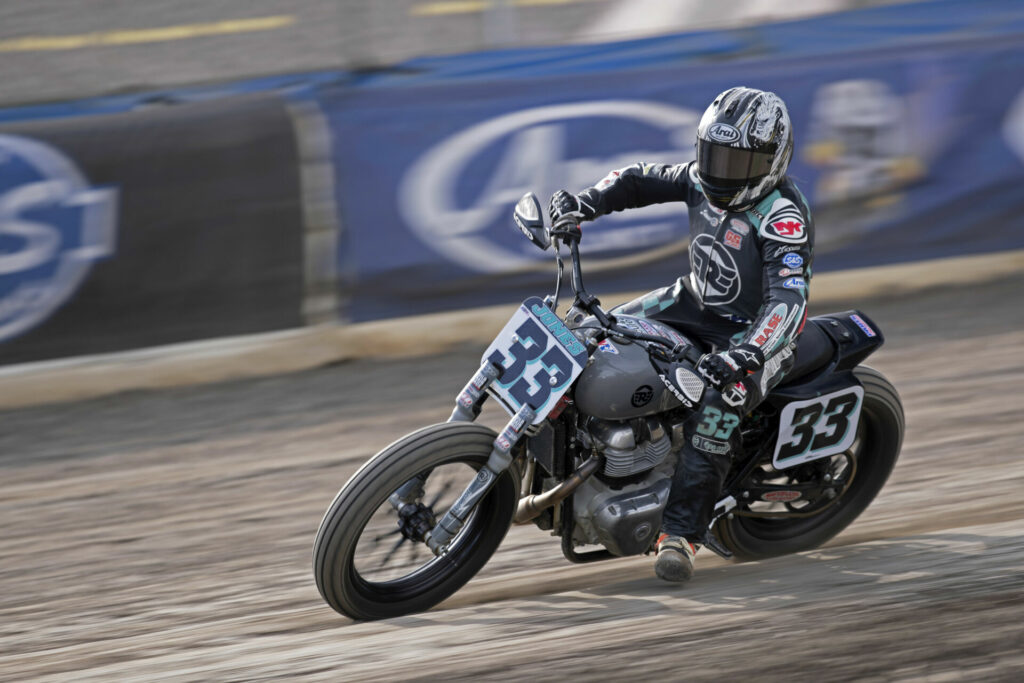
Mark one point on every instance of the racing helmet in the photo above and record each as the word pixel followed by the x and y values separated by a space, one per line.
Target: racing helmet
pixel 744 144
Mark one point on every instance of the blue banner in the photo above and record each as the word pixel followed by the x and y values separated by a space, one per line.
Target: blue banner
pixel 905 153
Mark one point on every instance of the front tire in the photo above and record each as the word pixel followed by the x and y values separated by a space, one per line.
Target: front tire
pixel 342 565
pixel 880 438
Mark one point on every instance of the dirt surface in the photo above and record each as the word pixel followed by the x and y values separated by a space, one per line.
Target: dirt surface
pixel 166 535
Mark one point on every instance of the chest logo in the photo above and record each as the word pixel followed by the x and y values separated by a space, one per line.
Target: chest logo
pixel 714 271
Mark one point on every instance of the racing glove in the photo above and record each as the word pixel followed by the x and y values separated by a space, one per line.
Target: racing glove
pixel 566 213
pixel 564 204
pixel 728 367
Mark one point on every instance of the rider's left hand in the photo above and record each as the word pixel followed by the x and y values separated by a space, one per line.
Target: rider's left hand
pixel 728 367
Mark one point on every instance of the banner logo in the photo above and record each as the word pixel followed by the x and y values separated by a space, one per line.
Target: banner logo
pixel 53 226
pixel 458 196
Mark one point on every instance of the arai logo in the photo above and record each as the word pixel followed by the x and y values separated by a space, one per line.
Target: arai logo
pixel 52 227
pixel 458 196
pixel 723 132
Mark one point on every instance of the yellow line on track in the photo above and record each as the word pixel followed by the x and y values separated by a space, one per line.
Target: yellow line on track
pixel 471 6
pixel 145 35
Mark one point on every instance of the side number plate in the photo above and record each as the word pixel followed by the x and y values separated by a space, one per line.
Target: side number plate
pixel 818 427
pixel 540 358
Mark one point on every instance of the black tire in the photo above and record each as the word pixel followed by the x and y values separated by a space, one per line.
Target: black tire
pixel 880 436
pixel 335 561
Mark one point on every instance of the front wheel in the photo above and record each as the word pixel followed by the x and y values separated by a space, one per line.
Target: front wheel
pixel 371 563
pixel 860 472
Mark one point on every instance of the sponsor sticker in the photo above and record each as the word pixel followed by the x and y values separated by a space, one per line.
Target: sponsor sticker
pixel 709 445
pixel 739 226
pixel 785 250
pixel 675 392
pixel 794 229
pixel 723 132
pixel 608 347
pixel 772 325
pixel 785 272
pixel 862 325
pixel 642 396
pixel 794 283
pixel 609 179
pixel 793 260
pixel 733 239
pixel 780 496
pixel 713 218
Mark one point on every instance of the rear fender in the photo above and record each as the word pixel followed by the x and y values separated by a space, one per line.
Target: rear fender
pixel 856 336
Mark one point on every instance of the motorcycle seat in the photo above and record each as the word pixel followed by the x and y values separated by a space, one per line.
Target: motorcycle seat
pixel 814 350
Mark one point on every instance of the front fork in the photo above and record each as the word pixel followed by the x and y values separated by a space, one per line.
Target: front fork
pixel 467 408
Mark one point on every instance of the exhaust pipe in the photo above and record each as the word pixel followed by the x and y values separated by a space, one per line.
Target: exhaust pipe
pixel 532 505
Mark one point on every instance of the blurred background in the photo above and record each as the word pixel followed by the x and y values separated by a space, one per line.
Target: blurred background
pixel 200 191
pixel 225 168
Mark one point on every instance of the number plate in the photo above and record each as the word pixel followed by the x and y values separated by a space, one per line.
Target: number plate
pixel 540 358
pixel 818 427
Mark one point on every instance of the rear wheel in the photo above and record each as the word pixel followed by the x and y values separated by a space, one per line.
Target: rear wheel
pixel 370 562
pixel 858 475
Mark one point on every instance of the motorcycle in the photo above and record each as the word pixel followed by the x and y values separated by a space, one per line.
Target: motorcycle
pixel 597 403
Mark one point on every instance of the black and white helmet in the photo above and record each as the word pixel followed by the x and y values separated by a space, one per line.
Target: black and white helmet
pixel 744 144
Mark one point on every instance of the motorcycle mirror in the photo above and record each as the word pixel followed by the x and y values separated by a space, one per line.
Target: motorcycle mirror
pixel 530 219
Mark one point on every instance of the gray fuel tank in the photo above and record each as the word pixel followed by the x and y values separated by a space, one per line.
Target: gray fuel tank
pixel 620 382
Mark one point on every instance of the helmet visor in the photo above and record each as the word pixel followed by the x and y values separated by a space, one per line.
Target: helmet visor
pixel 721 162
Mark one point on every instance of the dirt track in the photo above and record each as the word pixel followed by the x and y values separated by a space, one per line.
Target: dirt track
pixel 167 535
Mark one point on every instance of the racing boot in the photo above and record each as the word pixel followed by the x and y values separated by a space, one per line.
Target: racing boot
pixel 675 558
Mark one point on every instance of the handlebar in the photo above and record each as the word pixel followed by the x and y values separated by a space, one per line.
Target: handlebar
pixel 592 305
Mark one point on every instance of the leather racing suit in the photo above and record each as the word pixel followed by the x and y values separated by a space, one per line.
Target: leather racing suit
pixel 748 284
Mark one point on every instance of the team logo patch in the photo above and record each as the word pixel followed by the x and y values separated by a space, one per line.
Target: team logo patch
pixel 53 226
pixel 793 260
pixel 733 240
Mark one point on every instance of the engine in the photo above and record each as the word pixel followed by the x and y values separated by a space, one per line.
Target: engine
pixel 625 515
pixel 629 447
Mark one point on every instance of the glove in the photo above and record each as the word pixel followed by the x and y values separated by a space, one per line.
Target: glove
pixel 563 204
pixel 566 215
pixel 728 367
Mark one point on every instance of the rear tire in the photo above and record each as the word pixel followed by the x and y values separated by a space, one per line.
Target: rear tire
pixel 881 435
pixel 335 562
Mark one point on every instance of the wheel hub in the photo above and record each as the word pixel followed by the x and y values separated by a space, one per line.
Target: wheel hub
pixel 415 520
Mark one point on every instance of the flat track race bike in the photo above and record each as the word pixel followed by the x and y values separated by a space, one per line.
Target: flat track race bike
pixel 597 403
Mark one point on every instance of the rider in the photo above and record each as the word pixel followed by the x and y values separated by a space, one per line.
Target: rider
pixel 745 298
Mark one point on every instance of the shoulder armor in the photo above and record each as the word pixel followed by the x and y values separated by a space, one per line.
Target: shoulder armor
pixel 783 222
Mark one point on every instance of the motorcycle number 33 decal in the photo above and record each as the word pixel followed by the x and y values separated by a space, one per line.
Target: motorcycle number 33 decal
pixel 539 359
pixel 818 427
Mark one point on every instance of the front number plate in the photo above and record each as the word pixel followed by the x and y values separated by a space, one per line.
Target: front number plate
pixel 539 359
pixel 818 427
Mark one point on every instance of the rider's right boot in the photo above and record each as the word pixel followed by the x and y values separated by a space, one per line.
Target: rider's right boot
pixel 675 558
